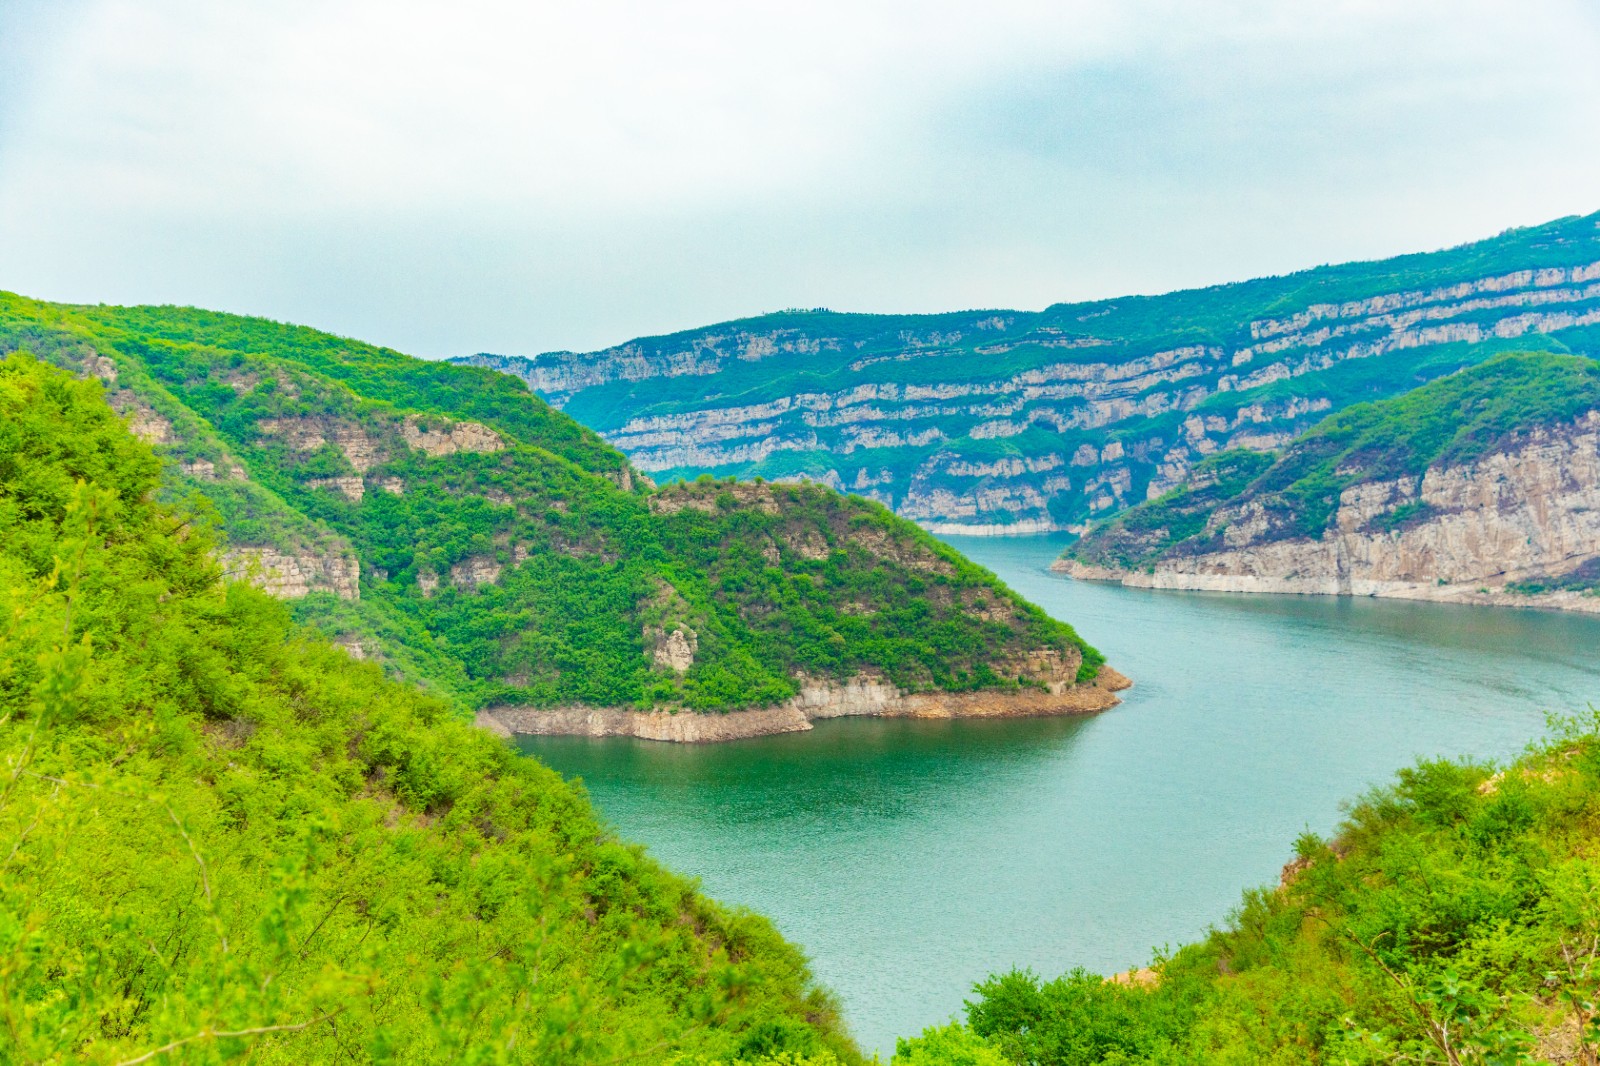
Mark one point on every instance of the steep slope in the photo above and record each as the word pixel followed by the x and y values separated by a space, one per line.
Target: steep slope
pixel 1453 919
pixel 1007 421
pixel 222 839
pixel 1481 487
pixel 447 523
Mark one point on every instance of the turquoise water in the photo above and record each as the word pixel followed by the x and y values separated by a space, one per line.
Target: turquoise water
pixel 912 859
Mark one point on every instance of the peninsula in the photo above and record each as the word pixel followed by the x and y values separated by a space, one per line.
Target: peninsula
pixel 447 524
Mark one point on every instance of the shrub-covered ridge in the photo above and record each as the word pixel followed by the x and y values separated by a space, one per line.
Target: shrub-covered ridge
pixel 221 838
pixel 446 522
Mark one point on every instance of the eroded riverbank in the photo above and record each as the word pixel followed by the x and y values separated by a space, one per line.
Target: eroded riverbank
pixel 1468 595
pixel 862 697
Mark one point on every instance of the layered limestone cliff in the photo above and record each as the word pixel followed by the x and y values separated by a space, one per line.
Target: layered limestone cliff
pixel 861 696
pixel 1017 422
pixel 1522 516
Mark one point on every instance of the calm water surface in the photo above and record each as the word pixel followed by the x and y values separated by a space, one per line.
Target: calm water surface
pixel 912 859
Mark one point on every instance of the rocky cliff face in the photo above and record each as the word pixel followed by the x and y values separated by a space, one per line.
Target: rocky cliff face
pixel 291 575
pixel 1022 422
pixel 1525 515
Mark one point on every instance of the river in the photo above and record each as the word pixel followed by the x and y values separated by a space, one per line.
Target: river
pixel 911 859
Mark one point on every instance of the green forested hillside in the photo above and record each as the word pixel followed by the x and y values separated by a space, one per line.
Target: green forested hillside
pixel 1453 919
pixel 448 523
pixel 220 839
pixel 1449 422
pixel 1027 420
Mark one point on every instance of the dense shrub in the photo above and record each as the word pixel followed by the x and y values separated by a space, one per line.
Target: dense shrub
pixel 221 837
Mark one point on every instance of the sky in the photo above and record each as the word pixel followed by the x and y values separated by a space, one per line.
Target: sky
pixel 514 176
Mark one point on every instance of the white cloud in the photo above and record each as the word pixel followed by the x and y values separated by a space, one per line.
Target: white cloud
pixel 391 103
pixel 494 174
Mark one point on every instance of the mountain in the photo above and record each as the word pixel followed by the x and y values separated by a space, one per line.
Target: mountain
pixel 1483 486
pixel 445 522
pixel 1454 918
pixel 222 839
pixel 1015 421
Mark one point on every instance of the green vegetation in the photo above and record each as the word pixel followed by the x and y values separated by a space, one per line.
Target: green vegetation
pixel 367 370
pixel 220 838
pixel 1449 422
pixel 1583 578
pixel 1404 517
pixel 1454 918
pixel 507 555
pixel 948 1045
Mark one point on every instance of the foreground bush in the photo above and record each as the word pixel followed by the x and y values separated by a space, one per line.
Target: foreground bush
pixel 220 837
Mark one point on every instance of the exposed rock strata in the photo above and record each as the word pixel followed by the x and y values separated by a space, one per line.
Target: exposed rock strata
pixel 448 439
pixel 1526 512
pixel 359 450
pixel 863 696
pixel 290 576
pixel 147 424
pixel 475 571
pixel 300 434
pixel 351 488
pixel 1121 393
pixel 206 470
pixel 671 650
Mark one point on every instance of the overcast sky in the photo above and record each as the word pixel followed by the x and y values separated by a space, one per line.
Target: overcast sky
pixel 519 176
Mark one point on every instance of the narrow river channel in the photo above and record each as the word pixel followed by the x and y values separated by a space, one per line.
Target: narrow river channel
pixel 911 859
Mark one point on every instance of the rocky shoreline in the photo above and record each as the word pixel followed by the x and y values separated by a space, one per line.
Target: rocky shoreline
pixel 860 697
pixel 1470 594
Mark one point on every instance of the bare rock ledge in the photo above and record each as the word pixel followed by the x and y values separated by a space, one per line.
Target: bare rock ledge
pixel 1471 593
pixel 862 696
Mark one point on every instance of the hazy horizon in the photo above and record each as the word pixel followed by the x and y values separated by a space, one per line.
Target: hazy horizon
pixel 492 177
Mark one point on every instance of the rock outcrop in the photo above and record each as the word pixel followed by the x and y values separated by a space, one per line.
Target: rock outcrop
pixel 147 424
pixel 860 696
pixel 290 575
pixel 476 570
pixel 449 438
pixel 207 470
pixel 351 488
pixel 671 649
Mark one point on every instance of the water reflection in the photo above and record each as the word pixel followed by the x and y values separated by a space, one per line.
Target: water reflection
pixel 848 769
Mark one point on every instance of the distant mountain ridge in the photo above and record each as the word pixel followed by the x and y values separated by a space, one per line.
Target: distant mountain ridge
pixel 1012 422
